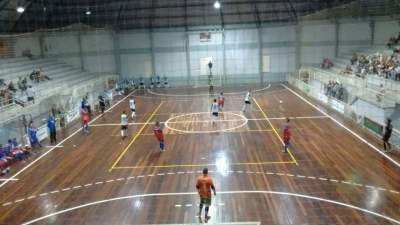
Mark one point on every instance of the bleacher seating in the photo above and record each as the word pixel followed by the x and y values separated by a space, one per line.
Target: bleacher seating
pixel 341 62
pixel 61 74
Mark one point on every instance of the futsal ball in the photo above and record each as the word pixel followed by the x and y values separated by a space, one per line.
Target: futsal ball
pixel 280 101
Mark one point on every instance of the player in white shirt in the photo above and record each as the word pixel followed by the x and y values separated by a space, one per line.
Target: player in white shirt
pixel 132 106
pixel 214 110
pixel 124 124
pixel 247 101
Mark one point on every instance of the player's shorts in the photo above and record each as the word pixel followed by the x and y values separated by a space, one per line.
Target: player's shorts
pixel 205 201
pixel 133 110
pixel 287 142
pixel 247 102
pixel 215 114
pixel 386 138
pixel 124 127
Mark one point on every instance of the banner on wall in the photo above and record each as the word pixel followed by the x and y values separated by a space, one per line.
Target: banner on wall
pixel 205 36
pixel 73 114
pixel 338 106
pixel 42 133
pixel 323 98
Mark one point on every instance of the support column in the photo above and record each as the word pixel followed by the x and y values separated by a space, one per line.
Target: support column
pixel 117 53
pixel 298 46
pixel 372 28
pixel 223 59
pixel 260 55
pixel 81 51
pixel 337 30
pixel 188 65
pixel 41 44
pixel 153 57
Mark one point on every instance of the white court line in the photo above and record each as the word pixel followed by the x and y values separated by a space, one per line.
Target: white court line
pixel 54 146
pixel 344 127
pixel 219 193
pixel 195 95
pixel 59 144
pixel 10 179
pixel 209 121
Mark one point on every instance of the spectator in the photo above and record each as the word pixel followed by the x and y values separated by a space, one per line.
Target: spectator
pixel 32 132
pixel 354 59
pixel 30 92
pixel 21 85
pixel 51 124
pixel 326 64
pixel 381 93
pixel 11 87
pixel 335 90
pixel 166 83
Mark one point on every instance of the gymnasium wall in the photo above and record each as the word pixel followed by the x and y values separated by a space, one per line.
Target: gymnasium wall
pixel 240 53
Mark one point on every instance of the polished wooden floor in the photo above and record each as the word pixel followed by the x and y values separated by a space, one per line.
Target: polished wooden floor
pixel 329 177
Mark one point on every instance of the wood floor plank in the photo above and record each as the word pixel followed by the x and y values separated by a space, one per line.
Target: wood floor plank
pixel 332 165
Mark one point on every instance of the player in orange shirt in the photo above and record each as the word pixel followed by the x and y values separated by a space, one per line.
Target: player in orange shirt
pixel 204 186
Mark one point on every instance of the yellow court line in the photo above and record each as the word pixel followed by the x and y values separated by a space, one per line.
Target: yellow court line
pixel 135 137
pixel 201 165
pixel 273 128
pixel 243 131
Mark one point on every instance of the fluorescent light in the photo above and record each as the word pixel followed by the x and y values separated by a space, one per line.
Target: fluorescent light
pixel 217 5
pixel 20 9
pixel 88 12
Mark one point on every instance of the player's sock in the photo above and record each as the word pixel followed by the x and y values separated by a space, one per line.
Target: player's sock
pixel 206 217
pixel 162 146
pixel 200 209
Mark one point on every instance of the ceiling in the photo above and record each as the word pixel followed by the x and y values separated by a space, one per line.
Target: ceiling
pixel 134 14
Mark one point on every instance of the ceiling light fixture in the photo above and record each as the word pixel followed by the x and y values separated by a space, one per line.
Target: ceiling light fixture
pixel 20 9
pixel 217 5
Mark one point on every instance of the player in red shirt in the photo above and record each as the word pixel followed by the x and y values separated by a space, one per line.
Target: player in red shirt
pixel 158 132
pixel 221 101
pixel 85 120
pixel 286 136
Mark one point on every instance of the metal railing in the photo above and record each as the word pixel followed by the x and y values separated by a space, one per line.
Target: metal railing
pixel 370 124
pixel 364 88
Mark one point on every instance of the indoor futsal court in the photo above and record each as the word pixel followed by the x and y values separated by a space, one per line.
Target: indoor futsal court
pixel 333 174
pixel 186 112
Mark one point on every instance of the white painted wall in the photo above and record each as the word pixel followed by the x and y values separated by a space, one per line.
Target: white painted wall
pixel 316 40
pixel 27 42
pixel 279 44
pixel 384 30
pixel 354 36
pixel 136 65
pixel 199 50
pixel 170 54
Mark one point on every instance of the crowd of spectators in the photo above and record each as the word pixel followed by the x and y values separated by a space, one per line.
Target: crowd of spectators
pixel 142 83
pixel 10 153
pixel 335 90
pixel 9 91
pixel 380 64
pixel 386 66
pixel 37 75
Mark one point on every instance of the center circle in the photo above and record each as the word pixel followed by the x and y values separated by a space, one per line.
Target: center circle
pixel 186 121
